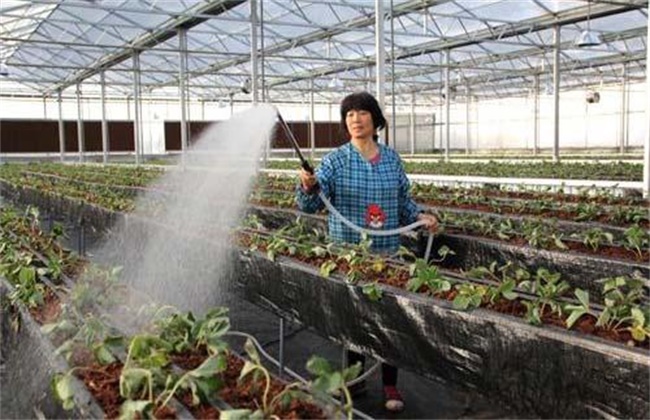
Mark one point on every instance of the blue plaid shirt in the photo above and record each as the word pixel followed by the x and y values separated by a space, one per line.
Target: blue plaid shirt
pixel 355 187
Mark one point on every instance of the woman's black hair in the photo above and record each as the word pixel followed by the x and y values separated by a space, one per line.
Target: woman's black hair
pixel 362 101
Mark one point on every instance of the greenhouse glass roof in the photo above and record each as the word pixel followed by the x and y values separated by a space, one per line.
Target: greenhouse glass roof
pixel 496 48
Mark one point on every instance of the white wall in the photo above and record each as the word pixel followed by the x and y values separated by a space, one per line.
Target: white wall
pixel 508 123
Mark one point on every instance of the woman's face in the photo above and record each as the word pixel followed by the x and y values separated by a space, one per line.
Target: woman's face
pixel 359 124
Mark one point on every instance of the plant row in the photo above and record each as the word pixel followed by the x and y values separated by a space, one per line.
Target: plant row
pixel 129 176
pixel 630 244
pixel 170 357
pixel 618 171
pixel 540 297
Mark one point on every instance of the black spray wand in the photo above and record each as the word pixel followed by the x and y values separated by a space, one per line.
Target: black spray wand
pixel 303 162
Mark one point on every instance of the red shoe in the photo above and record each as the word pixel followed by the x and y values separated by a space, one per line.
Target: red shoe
pixel 394 401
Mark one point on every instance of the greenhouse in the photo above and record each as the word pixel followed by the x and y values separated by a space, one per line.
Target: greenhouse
pixel 324 209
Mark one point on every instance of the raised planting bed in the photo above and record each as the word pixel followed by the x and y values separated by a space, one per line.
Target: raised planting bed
pixel 580 270
pixel 547 372
pixel 125 375
pixel 30 362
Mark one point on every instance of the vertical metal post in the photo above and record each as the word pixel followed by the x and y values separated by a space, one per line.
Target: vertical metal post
pixel 556 93
pixel 312 120
pixel 81 140
pixel 262 55
pixel 536 115
pixel 281 349
pixel 182 91
pixel 412 123
pixel 380 56
pixel 44 107
pixel 137 122
pixel 105 133
pixel 646 147
pixel 61 126
pixel 624 111
pixel 254 52
pixel 468 127
pixel 447 104
pixel 393 95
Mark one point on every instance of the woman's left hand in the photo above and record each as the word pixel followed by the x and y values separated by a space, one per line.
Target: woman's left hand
pixel 430 221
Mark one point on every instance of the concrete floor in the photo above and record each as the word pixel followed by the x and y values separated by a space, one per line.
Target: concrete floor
pixel 424 398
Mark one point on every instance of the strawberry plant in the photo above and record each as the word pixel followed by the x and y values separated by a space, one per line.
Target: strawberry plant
pixel 424 275
pixel 595 237
pixel 469 295
pixel 636 239
pixel 547 289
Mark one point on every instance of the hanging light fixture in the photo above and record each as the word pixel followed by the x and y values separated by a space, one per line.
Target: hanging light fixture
pixel 4 69
pixel 588 38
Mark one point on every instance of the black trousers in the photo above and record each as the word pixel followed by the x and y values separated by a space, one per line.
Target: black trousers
pixel 388 372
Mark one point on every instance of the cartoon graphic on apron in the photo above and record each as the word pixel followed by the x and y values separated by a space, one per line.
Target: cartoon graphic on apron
pixel 375 217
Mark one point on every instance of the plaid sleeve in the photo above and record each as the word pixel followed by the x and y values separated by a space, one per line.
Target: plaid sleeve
pixel 311 202
pixel 408 209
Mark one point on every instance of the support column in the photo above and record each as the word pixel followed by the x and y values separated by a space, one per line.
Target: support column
pixel 646 147
pixel 81 139
pixel 624 111
pixel 61 126
pixel 467 122
pixel 447 105
pixel 440 105
pixel 556 94
pixel 254 53
pixel 105 133
pixel 312 122
pixel 380 56
pixel 393 95
pixel 412 124
pixel 536 116
pixel 182 91
pixel 137 122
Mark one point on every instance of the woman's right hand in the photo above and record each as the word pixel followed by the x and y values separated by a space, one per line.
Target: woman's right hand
pixel 307 179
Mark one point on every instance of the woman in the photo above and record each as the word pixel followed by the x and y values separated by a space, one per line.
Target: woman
pixel 367 184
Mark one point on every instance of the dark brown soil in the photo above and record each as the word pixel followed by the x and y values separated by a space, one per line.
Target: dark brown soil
pixel 49 311
pixel 103 382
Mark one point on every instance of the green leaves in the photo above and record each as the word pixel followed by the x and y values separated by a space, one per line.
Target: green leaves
pixel 372 290
pixel 328 381
pixel 469 296
pixel 423 274
pixel 327 267
pixel 133 409
pixel 577 311
pixel 63 389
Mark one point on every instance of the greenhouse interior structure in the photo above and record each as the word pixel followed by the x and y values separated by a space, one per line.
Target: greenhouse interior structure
pixel 400 209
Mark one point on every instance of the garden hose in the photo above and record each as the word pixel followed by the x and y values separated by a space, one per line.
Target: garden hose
pixel 372 232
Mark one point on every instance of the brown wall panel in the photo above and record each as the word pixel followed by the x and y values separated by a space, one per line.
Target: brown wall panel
pixel 327 134
pixel 22 136
pixel 38 136
pixel 173 133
